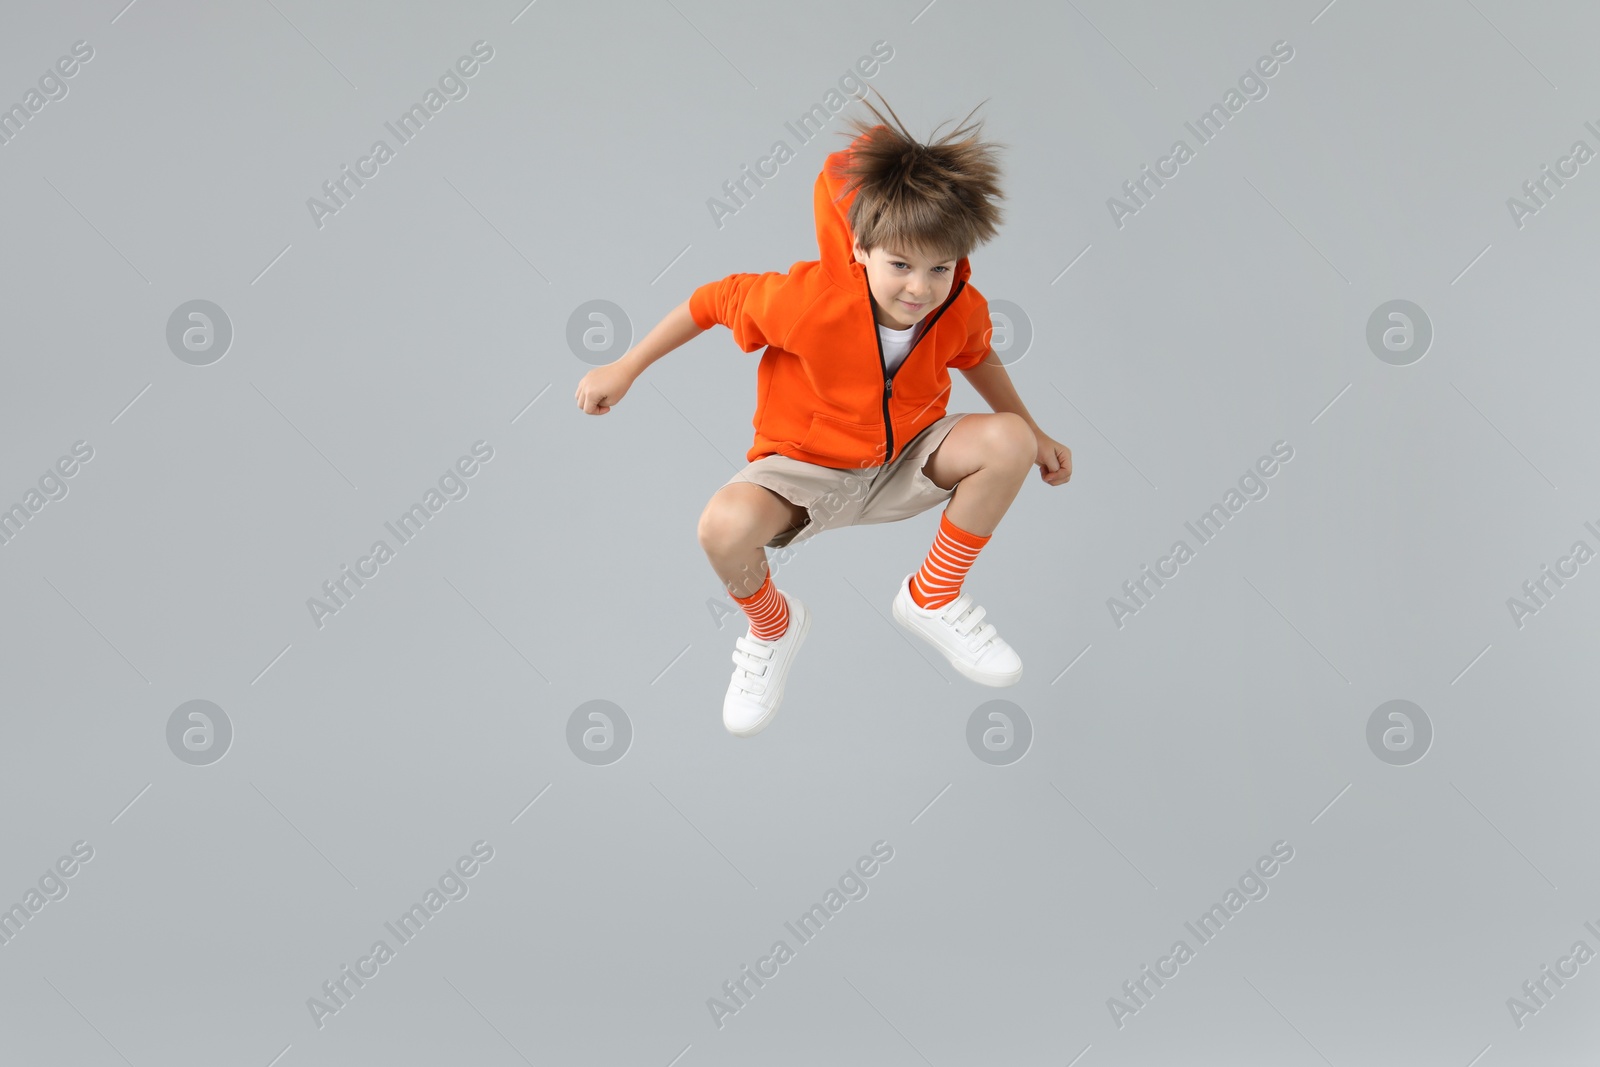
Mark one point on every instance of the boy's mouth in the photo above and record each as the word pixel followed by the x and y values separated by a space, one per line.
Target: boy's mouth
pixel 912 307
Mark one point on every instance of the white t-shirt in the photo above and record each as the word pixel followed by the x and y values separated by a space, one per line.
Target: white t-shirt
pixel 896 343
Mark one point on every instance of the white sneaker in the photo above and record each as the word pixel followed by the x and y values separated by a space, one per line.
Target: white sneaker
pixel 759 670
pixel 959 633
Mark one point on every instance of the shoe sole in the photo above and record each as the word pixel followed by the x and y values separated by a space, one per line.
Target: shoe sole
pixel 766 720
pixel 997 681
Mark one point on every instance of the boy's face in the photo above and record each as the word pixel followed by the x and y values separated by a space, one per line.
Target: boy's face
pixel 906 284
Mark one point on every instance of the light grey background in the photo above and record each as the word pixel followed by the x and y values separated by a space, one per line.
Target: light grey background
pixel 432 711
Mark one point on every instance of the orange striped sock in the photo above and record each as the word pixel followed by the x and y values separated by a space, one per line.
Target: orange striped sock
pixel 952 555
pixel 767 609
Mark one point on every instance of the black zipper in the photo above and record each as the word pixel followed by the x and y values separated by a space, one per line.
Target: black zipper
pixel 883 364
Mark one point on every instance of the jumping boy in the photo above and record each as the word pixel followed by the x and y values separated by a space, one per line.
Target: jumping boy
pixel 850 422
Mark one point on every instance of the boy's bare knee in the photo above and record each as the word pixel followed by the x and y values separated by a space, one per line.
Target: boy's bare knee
pixel 728 522
pixel 1012 439
pixel 715 527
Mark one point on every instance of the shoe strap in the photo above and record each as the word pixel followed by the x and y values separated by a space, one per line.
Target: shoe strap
pixel 753 647
pixel 983 635
pixel 954 610
pixel 751 657
pixel 746 680
pixel 750 664
pixel 963 614
pixel 966 619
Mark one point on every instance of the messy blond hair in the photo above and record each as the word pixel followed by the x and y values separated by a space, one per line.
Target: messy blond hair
pixel 939 197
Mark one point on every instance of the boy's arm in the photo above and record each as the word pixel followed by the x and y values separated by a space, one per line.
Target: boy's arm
pixel 991 381
pixel 677 328
pixel 604 386
pixel 742 302
pixel 745 303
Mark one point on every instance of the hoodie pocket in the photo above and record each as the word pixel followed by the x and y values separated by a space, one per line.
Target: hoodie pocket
pixel 848 443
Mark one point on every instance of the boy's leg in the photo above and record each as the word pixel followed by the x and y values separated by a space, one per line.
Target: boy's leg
pixel 734 530
pixel 735 527
pixel 986 457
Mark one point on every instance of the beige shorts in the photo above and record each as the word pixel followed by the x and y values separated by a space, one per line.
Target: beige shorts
pixel 838 497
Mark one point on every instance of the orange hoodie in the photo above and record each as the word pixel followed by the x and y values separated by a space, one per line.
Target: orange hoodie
pixel 822 392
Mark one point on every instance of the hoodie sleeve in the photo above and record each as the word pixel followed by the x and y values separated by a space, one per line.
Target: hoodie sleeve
pixel 751 305
pixel 980 334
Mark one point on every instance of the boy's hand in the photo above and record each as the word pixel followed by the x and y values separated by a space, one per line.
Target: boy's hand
pixel 1054 460
pixel 601 388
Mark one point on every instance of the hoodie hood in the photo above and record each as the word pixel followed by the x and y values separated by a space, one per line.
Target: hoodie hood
pixel 835 242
